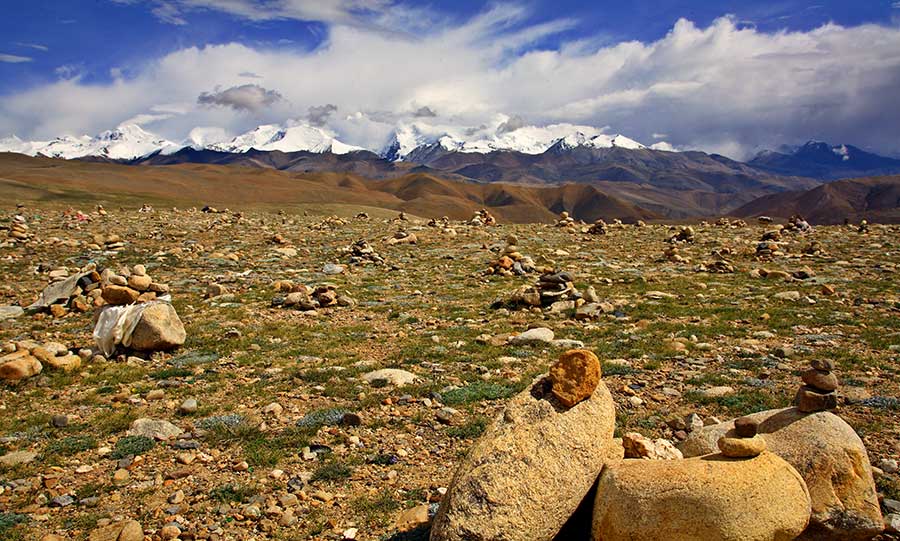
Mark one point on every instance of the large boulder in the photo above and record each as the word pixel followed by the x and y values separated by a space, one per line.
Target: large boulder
pixel 830 457
pixel 159 329
pixel 530 470
pixel 710 497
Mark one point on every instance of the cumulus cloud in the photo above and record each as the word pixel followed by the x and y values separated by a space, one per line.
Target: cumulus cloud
pixel 241 98
pixel 513 124
pixel 318 114
pixel 725 88
pixel 14 59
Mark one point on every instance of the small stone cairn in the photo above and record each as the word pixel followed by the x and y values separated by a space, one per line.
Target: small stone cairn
pixel 819 389
pixel 511 261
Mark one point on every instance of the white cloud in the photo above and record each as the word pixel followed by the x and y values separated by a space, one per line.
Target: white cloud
pixel 14 59
pixel 241 98
pixel 722 88
pixel 35 46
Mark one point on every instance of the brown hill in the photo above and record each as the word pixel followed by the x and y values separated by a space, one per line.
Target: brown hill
pixel 419 194
pixel 876 199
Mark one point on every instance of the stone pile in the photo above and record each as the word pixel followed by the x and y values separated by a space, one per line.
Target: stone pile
pixel 672 254
pixel 719 265
pixel 819 389
pixel 27 358
pixel 483 217
pixel 565 220
pixel 69 292
pixel 18 231
pixel 550 290
pixel 684 235
pixel 109 243
pixel 131 286
pixel 863 227
pixel 443 222
pixel 329 223
pixel 767 249
pixel 304 298
pixel 362 253
pixel 597 228
pixel 511 261
pixel 402 237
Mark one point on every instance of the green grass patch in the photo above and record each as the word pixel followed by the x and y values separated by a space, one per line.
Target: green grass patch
pixel 233 492
pixel 477 392
pixel 131 446
pixel 71 445
pixel 470 430
pixel 333 470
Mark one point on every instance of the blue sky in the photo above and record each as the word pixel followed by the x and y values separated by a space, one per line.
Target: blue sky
pixel 81 53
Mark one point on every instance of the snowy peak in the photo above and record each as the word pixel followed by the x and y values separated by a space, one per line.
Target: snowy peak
pixel 123 143
pixel 503 137
pixel 286 139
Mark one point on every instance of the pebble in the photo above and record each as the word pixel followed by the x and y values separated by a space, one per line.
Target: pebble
pixel 188 406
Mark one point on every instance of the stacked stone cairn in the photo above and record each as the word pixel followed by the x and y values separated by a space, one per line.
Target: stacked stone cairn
pixel 18 232
pixel 130 287
pixel 672 254
pixel 483 217
pixel 819 389
pixel 683 235
pixel 565 220
pixel 511 261
pixel 599 227
pixel 863 227
pixel 362 253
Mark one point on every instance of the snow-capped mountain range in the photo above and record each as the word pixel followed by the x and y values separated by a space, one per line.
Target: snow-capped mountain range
pixel 129 141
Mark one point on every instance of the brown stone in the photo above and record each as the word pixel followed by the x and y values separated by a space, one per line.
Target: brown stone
pixel 21 367
pixel 58 310
pixel 742 447
pixel 824 365
pixel 114 294
pixel 809 400
pixel 140 283
pixel 413 518
pixel 574 376
pixel 129 530
pixel 820 380
pixel 746 427
pixel 505 263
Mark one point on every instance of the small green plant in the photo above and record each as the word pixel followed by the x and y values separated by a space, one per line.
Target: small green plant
pixel 131 446
pixel 477 392
pixel 233 492
pixel 332 471
pixel 71 445
pixel 472 429
pixel 169 373
pixel 375 508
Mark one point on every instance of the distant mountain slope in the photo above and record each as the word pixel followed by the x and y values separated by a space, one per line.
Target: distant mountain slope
pixel 876 199
pixel 828 162
pixel 419 194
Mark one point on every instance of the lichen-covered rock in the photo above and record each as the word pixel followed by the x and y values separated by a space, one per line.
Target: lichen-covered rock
pixel 530 470
pixel 830 457
pixel 709 497
pixel 159 329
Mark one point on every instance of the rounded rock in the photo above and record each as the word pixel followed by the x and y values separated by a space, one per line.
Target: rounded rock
pixel 742 447
pixel 574 376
